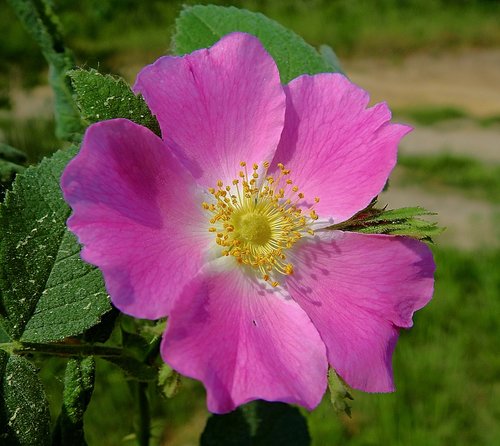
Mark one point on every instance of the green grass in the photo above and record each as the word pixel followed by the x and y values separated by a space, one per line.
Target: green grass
pixel 430 115
pixel 468 175
pixel 489 121
pixel 95 29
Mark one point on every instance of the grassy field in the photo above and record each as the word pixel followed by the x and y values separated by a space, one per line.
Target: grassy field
pixel 94 28
pixel 469 176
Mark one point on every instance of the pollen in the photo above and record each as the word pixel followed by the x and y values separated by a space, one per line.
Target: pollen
pixel 256 218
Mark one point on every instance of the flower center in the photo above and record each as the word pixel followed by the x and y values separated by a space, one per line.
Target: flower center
pixel 254 228
pixel 257 220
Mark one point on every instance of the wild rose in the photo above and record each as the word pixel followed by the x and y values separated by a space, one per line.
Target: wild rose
pixel 221 226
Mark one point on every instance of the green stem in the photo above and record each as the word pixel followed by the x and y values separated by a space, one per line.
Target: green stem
pixel 143 433
pixel 66 350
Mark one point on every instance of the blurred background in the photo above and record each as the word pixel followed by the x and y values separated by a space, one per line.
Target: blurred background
pixel 437 64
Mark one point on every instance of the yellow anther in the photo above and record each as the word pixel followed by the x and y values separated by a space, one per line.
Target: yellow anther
pixel 257 223
pixel 316 199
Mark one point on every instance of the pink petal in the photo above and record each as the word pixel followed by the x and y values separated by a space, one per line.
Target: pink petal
pixel 218 106
pixel 135 212
pixel 337 149
pixel 245 342
pixel 358 289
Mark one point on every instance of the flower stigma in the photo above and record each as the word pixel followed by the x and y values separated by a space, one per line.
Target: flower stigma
pixel 256 220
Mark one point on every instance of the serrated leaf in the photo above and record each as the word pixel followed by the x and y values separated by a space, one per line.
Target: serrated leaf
pixel 46 292
pixel 401 221
pixel 78 387
pixel 104 329
pixel 339 393
pixel 399 214
pixel 258 423
pixel 100 97
pixel 202 26
pixel 24 411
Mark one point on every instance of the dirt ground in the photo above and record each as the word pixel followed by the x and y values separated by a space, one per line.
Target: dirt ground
pixel 469 80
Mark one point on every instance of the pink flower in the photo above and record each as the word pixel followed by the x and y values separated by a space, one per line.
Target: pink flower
pixel 207 227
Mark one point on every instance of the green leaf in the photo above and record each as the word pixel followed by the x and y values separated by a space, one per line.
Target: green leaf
pixel 169 381
pixel 104 329
pixel 46 292
pixel 40 21
pixel 24 411
pixel 78 388
pixel 100 97
pixel 403 221
pixel 401 214
pixel 258 423
pixel 227 430
pixel 331 58
pixel 4 337
pixel 202 26
pixel 339 393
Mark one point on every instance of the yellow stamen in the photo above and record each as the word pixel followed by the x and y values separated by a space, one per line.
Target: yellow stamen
pixel 257 224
